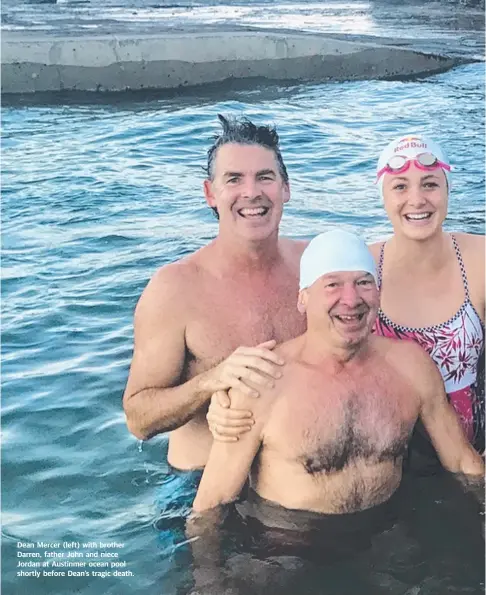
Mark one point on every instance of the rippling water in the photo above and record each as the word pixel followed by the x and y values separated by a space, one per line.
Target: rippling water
pixel 97 196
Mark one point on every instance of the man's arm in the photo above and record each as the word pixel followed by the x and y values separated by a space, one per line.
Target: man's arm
pixel 154 401
pixel 225 422
pixel 441 422
pixel 151 401
pixel 230 463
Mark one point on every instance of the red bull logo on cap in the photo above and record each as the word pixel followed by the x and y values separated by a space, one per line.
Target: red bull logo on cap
pixel 410 142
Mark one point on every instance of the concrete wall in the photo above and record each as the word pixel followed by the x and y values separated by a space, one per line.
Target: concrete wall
pixel 169 60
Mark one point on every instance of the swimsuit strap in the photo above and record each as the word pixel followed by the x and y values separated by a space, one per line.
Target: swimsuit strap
pixel 459 260
pixel 380 264
pixel 462 267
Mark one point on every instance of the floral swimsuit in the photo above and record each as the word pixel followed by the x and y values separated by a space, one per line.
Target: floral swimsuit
pixel 457 347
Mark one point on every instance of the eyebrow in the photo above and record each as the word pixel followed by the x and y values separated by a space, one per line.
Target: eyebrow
pixel 429 176
pixel 238 174
pixel 422 178
pixel 333 276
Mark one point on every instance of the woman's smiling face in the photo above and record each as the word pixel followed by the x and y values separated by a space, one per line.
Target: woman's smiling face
pixel 416 201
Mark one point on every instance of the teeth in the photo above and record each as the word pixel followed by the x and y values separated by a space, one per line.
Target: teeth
pixel 417 216
pixel 254 211
pixel 355 317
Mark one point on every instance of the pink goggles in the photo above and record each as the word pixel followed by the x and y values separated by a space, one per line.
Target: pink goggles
pixel 398 164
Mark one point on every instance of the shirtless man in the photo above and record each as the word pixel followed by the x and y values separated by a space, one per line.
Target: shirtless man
pixel 240 289
pixel 330 435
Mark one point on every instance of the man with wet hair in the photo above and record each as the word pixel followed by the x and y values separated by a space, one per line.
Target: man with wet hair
pixel 330 434
pixel 209 322
pixel 246 133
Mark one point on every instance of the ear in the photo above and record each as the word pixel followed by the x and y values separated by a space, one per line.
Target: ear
pixel 286 192
pixel 302 301
pixel 208 193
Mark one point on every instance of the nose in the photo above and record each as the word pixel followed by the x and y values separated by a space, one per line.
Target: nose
pixel 350 296
pixel 250 188
pixel 415 196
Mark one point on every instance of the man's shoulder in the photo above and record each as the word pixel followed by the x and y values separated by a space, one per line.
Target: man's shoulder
pixel 410 361
pixel 182 273
pixel 297 244
pixel 293 247
pixel 171 278
pixel 404 354
pixel 290 349
pixel 172 284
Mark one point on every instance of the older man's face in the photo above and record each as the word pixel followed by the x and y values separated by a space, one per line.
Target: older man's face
pixel 344 304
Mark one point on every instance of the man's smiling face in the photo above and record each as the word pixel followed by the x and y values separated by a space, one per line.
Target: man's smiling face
pixel 344 305
pixel 248 191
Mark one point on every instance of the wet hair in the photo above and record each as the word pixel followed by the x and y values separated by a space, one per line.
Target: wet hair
pixel 244 132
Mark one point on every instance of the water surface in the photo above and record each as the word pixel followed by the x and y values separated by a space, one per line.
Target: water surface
pixel 96 197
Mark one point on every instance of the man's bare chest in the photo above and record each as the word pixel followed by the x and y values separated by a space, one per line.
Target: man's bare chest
pixel 328 425
pixel 220 322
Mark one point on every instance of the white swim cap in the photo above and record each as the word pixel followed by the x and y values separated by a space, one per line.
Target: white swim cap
pixel 410 146
pixel 333 252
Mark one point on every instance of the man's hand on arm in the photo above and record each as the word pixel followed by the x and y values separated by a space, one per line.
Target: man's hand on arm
pixel 247 369
pixel 226 422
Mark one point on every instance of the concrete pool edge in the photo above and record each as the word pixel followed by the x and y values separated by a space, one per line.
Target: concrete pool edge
pixel 45 63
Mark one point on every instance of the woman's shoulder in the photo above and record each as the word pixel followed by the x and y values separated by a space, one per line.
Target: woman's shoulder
pixel 375 249
pixel 470 241
pixel 472 248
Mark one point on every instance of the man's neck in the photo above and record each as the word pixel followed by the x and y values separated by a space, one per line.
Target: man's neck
pixel 317 351
pixel 244 255
pixel 427 255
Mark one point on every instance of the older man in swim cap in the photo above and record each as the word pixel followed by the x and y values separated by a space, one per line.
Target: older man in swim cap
pixel 329 437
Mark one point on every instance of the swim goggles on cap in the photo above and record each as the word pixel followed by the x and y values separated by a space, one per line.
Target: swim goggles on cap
pixel 400 163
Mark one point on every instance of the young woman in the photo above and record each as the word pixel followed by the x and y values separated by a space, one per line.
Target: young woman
pixel 432 282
